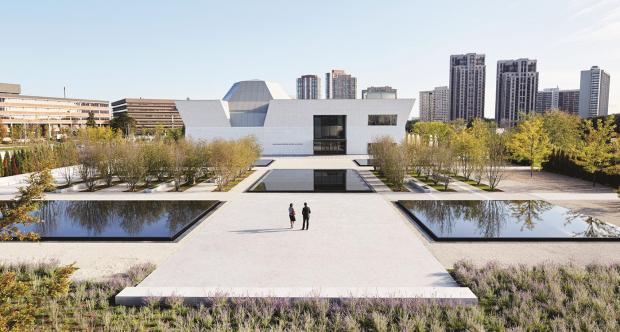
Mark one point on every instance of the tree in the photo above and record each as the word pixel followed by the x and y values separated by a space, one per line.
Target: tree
pixel 90 121
pixel 40 158
pixel 433 132
pixel 530 141
pixel 391 160
pixel 464 148
pixel 599 148
pixel 563 129
pixel 443 165
pixel 88 159
pixel 177 153
pixel 106 157
pixel 480 133
pixel 123 123
pixel 131 168
pixel 156 160
pixel 19 212
pixel 496 159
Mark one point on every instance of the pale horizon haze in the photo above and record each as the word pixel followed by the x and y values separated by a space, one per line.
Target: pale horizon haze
pixel 163 49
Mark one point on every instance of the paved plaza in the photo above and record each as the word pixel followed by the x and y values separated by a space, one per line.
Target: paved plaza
pixel 357 245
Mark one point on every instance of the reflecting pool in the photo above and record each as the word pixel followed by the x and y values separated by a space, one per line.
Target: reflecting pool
pixel 488 220
pixel 117 220
pixel 311 180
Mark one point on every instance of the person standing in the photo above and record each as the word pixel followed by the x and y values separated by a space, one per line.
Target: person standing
pixel 305 212
pixel 291 214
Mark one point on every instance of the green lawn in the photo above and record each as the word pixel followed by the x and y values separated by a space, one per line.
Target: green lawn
pixel 429 183
pixel 473 183
pixel 546 297
pixel 390 185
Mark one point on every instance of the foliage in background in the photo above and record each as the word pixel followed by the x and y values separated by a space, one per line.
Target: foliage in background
pixel 564 129
pixel 123 123
pixel 530 141
pixel 599 151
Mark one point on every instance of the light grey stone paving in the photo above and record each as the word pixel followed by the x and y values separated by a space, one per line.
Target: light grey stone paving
pixel 357 245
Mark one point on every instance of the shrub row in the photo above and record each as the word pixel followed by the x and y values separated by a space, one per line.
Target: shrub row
pixel 561 163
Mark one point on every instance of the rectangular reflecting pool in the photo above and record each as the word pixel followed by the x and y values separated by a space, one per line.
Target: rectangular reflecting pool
pixel 311 180
pixel 495 220
pixel 117 220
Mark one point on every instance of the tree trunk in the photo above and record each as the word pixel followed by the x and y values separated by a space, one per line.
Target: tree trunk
pixel 593 179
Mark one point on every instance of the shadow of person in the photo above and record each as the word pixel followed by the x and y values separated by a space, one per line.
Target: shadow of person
pixel 262 230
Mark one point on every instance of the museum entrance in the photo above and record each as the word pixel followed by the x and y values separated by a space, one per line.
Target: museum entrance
pixel 330 134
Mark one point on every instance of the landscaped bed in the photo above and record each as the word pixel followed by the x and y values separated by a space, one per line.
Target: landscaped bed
pixel 388 182
pixel 473 183
pixel 235 181
pixel 545 297
pixel 430 183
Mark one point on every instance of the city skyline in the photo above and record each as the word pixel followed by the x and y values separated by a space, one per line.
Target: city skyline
pixel 193 53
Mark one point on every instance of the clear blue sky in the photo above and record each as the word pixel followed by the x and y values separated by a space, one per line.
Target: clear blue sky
pixel 176 49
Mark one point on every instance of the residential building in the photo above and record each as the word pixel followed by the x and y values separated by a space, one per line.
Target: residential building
pixel 516 90
pixel 547 99
pixel 435 104
pixel 569 101
pixel 467 86
pixel 53 115
pixel 309 87
pixel 379 92
pixel 340 85
pixel 556 99
pixel 149 113
pixel 285 126
pixel 594 96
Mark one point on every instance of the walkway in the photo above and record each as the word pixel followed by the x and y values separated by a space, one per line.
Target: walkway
pixel 358 245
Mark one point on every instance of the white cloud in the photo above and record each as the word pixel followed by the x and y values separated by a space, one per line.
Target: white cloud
pixel 602 22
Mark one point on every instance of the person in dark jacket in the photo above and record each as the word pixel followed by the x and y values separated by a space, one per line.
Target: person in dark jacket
pixel 305 212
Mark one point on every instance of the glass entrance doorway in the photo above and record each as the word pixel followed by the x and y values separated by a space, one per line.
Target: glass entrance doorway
pixel 330 134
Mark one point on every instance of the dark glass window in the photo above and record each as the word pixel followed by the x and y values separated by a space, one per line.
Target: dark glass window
pixel 382 119
pixel 329 127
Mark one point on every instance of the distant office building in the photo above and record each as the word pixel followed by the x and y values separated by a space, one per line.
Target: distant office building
pixel 435 104
pixel 53 115
pixel 517 86
pixel 149 113
pixel 379 92
pixel 556 99
pixel 594 96
pixel 467 86
pixel 340 85
pixel 309 87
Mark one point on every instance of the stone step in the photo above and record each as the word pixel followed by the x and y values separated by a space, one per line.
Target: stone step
pixel 138 296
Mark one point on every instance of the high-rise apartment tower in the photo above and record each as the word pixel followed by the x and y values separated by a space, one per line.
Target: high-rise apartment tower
pixel 467 86
pixel 516 89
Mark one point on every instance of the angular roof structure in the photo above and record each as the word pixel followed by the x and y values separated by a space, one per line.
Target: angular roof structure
pixel 255 91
